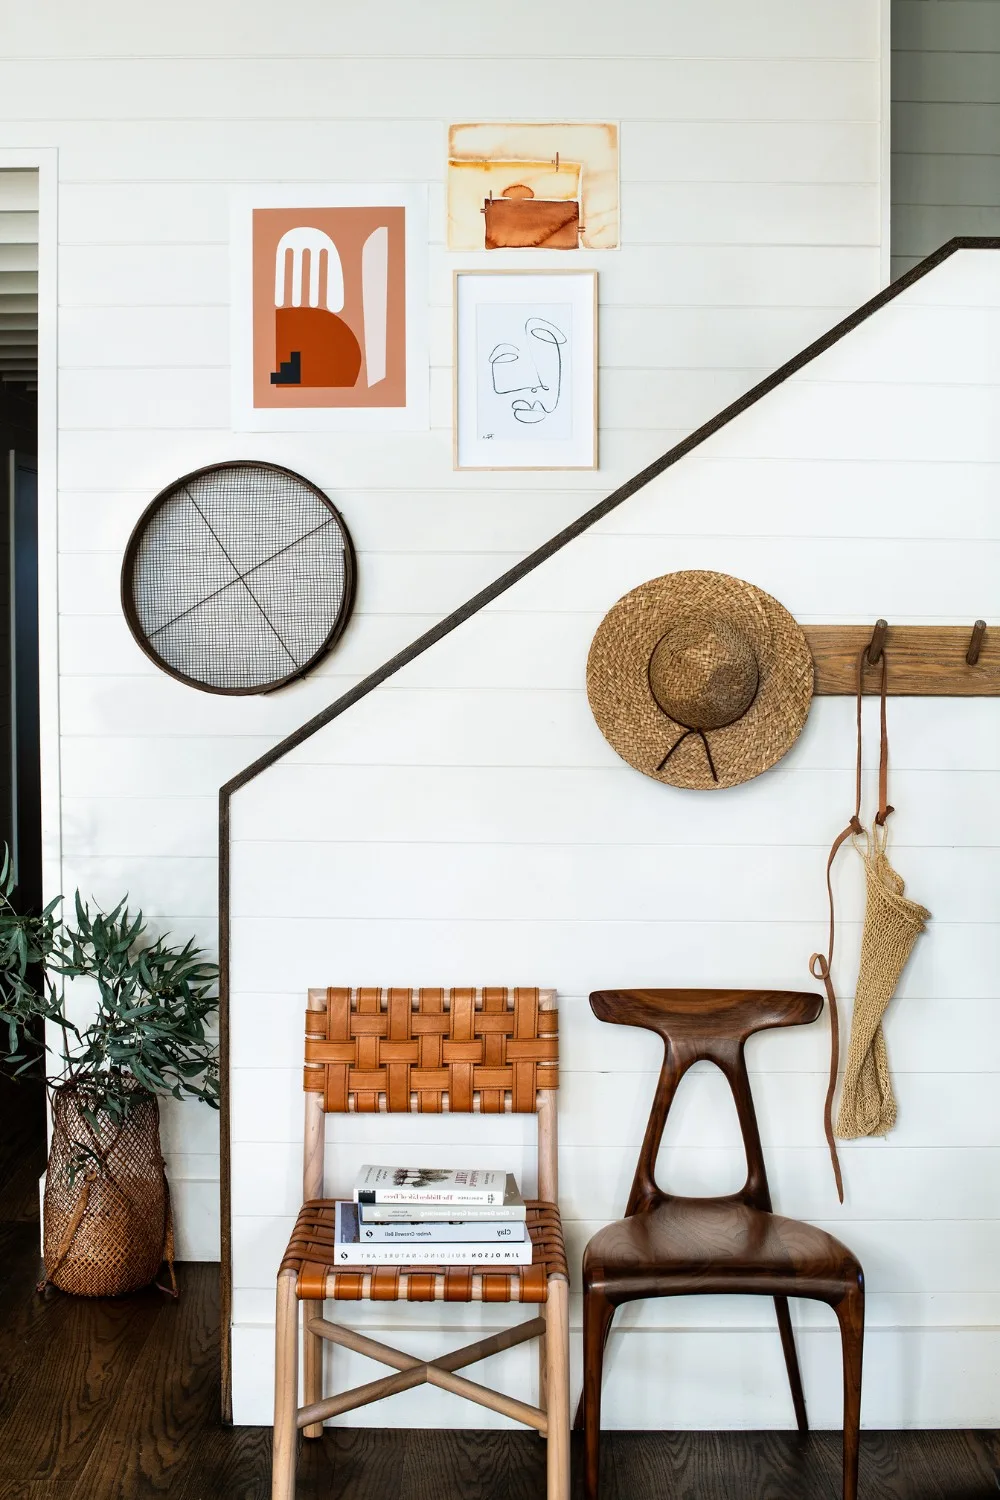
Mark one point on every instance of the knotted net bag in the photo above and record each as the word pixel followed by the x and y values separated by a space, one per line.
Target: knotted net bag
pixel 107 1209
pixel 892 925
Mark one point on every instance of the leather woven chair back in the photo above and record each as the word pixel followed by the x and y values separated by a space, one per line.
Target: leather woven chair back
pixel 489 1051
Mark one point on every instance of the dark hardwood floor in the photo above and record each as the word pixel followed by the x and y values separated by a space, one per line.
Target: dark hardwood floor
pixel 118 1400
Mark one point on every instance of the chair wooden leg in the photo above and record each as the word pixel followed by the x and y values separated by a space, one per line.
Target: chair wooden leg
pixel 543 1363
pixel 597 1315
pixel 851 1316
pixel 312 1369
pixel 557 1360
pixel 791 1362
pixel 286 1381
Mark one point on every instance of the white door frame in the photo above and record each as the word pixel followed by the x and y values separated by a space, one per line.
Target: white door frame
pixel 46 161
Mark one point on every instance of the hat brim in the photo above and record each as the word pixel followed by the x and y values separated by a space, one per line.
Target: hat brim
pixel 636 726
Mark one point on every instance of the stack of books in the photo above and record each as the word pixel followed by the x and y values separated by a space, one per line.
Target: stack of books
pixel 428 1216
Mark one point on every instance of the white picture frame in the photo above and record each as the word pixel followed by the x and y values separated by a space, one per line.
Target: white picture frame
pixel 525 370
pixel 248 417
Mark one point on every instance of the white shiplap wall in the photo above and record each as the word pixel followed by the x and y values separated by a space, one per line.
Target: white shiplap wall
pixel 750 222
pixel 467 823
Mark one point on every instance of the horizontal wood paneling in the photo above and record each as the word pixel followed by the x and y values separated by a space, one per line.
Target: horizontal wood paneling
pixel 749 190
pixel 468 814
pixel 945 102
pixel 310 88
pixel 883 1310
pixel 957 1034
pixel 605 1109
pixel 719 28
pixel 272 954
pixel 883 1184
pixel 917 1378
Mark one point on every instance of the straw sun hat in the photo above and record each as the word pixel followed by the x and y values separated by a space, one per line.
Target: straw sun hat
pixel 699 679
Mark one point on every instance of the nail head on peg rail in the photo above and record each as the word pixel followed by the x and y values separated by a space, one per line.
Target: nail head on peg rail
pixel 875 645
pixel 976 643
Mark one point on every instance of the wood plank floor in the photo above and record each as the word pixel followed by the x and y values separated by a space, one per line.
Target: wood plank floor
pixel 118 1400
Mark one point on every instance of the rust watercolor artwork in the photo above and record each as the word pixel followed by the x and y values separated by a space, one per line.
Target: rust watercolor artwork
pixel 522 186
pixel 329 307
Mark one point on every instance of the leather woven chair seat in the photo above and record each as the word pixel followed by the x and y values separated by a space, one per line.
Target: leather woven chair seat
pixel 311 1250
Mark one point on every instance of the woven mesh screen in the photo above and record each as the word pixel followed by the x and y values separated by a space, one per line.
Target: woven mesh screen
pixel 239 578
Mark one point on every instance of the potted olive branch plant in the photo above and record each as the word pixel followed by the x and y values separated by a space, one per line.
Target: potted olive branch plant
pixel 107 1210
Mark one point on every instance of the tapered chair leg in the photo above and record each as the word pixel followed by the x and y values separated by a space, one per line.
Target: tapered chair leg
pixel 312 1369
pixel 286 1380
pixel 543 1363
pixel 791 1362
pixel 597 1315
pixel 851 1316
pixel 557 1361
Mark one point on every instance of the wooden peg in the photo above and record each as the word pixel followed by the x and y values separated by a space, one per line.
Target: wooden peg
pixel 877 642
pixel 976 643
pixel 557 161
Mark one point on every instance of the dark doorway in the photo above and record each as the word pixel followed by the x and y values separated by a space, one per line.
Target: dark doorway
pixel 22 1101
pixel 20 800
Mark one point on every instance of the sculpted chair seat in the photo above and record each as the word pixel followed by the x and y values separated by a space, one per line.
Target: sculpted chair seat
pixel 668 1246
pixel 713 1241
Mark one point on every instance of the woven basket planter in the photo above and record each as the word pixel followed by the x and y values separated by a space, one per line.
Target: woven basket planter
pixel 107 1206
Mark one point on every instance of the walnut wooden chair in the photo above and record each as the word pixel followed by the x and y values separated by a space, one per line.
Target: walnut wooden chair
pixel 486 1051
pixel 669 1246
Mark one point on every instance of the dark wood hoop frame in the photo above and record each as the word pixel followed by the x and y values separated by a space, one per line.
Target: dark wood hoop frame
pixel 131 551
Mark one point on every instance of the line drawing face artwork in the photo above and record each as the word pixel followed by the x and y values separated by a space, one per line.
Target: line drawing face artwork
pixel 524 385
pixel 509 364
pixel 524 360
pixel 329 307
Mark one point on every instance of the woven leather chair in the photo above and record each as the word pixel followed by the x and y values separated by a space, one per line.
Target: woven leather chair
pixel 668 1246
pixel 489 1051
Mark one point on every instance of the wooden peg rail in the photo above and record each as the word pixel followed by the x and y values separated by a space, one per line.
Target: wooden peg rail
pixel 958 661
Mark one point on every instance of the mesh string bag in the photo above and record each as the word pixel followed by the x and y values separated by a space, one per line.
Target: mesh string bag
pixel 107 1208
pixel 892 925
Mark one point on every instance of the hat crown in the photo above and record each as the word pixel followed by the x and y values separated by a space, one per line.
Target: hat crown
pixel 704 672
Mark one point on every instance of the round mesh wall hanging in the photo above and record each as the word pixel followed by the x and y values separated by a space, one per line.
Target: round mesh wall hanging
pixel 238 578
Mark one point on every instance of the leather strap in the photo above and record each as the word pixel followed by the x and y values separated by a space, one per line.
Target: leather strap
pixel 820 964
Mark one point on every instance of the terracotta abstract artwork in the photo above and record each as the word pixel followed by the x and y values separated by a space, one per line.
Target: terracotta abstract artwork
pixel 548 187
pixel 329 307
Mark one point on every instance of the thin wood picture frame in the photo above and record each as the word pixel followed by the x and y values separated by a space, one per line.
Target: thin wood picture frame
pixel 532 351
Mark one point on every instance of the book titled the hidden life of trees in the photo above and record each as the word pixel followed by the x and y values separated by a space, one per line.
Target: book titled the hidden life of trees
pixel 430 1185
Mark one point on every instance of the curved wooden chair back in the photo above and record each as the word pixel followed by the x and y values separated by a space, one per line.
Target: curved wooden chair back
pixel 695 1026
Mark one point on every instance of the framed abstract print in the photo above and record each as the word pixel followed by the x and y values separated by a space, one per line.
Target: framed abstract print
pixel 525 370
pixel 329 308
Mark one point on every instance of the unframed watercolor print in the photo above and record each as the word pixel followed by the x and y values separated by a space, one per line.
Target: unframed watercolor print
pixel 526 186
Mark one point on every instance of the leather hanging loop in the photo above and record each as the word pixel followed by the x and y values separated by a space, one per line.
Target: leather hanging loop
pixel 820 964
pixel 884 809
